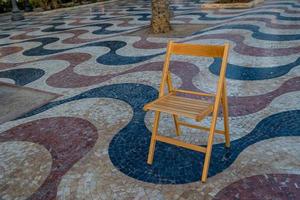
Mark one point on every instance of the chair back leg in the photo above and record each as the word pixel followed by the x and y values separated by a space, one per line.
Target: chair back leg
pixel 177 128
pixel 175 118
pixel 224 101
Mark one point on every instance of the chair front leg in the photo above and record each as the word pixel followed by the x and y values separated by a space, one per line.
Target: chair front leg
pixel 208 149
pixel 153 138
pixel 210 140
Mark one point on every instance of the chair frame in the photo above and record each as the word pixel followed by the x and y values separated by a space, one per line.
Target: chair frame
pixel 220 97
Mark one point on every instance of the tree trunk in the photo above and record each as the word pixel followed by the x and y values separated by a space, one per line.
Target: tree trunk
pixel 160 21
pixel 54 4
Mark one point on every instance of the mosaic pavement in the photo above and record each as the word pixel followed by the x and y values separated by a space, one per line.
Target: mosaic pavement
pixel 92 141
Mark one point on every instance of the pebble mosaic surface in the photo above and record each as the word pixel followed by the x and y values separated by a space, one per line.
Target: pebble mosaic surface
pixel 92 141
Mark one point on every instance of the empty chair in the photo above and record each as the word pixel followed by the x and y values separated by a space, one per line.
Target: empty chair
pixel 178 105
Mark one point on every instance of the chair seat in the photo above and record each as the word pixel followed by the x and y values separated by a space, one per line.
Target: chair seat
pixel 177 105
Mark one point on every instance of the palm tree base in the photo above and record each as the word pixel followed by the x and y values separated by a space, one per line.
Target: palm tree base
pixel 160 21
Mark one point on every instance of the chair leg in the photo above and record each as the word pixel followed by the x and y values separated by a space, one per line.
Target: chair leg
pixel 208 150
pixel 153 138
pixel 177 128
pixel 209 146
pixel 226 123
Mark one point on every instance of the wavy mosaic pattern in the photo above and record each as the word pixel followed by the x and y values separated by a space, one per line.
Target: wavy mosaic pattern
pixel 94 54
pixel 66 144
pixel 22 76
pixel 281 186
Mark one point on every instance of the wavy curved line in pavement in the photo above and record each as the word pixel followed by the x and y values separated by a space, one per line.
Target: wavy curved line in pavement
pixel 67 139
pixel 53 27
pixel 268 23
pixel 110 58
pixel 102 30
pixel 70 40
pixel 75 38
pixel 237 72
pixel 294 5
pixel 22 76
pixel 78 22
pixel 24 36
pixel 238 39
pixel 245 49
pixel 143 16
pixel 173 165
pixel 100 17
pixel 284 8
pixel 276 186
pixel 240 47
pixel 238 106
pixel 5 51
pixel 125 22
pixel 143 43
pixel 4 36
pixel 255 32
pixel 278 16
pixel 134 9
pixel 128 149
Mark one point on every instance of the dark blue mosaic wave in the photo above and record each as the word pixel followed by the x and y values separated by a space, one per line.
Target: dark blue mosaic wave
pixel 53 26
pixel 294 5
pixel 172 165
pixel 102 31
pixel 252 73
pixel 256 33
pixel 143 16
pixel 277 15
pixel 23 76
pixel 99 16
pixel 110 58
pixel 4 36
pixel 135 9
pixel 134 94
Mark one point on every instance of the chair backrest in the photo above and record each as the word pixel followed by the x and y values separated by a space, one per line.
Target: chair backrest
pixel 214 51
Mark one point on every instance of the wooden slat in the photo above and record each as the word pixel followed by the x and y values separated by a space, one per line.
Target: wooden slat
pixel 199 104
pixel 183 106
pixel 215 51
pixel 195 93
pixel 175 106
pixel 180 143
pixel 149 105
pixel 174 111
pixel 172 104
pixel 200 127
pixel 189 100
pixel 186 103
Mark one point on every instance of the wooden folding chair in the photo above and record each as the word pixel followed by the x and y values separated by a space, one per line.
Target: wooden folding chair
pixel 197 109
